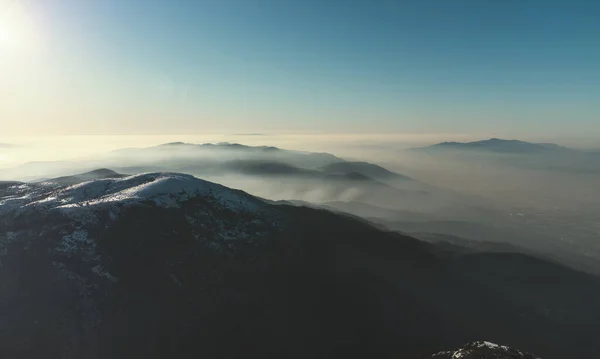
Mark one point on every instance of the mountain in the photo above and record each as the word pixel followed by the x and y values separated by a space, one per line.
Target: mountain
pixel 88 176
pixel 9 183
pixel 524 155
pixel 168 265
pixel 463 245
pixel 268 171
pixel 265 168
pixel 225 151
pixel 280 174
pixel 364 168
pixel 279 169
pixel 482 350
pixel 474 234
pixel 497 145
pixel 201 159
pixel 257 167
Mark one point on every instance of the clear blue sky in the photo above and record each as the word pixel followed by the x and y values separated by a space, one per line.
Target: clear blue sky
pixel 188 66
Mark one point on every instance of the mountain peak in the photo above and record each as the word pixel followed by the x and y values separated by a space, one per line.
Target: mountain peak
pixel 104 172
pixel 496 140
pixel 495 144
pixel 173 144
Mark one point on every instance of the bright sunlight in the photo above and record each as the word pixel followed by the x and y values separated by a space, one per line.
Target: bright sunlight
pixel 16 26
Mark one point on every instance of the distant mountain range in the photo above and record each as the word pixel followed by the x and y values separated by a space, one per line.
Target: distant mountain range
pixel 235 151
pixel 269 172
pixel 162 265
pixel 208 159
pixel 544 156
pixel 497 145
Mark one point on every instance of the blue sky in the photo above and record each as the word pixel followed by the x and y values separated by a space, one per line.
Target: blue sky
pixel 513 68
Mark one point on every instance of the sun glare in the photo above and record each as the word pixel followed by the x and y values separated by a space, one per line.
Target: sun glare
pixel 16 27
pixel 5 35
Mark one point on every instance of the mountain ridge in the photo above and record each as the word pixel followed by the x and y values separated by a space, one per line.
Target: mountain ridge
pixel 190 270
pixel 515 153
pixel 497 145
pixel 365 168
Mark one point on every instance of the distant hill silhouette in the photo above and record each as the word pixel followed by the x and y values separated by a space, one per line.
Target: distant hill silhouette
pixel 498 145
pixel 544 156
pixel 364 168
pixel 88 176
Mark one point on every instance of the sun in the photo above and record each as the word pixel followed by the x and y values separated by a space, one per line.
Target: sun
pixel 6 35
pixel 16 26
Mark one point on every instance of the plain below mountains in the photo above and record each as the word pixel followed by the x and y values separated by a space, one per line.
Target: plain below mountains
pixel 168 265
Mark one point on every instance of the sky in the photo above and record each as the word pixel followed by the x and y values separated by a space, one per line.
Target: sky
pixel 516 69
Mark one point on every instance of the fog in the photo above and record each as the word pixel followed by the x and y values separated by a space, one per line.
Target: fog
pixel 519 199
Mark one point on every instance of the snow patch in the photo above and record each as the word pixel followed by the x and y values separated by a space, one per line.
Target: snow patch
pixel 461 353
pixel 102 272
pixel 10 236
pixel 493 345
pixel 76 242
pixel 12 203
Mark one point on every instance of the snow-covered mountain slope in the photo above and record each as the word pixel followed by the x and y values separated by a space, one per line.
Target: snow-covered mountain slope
pixel 164 189
pixel 164 265
pixel 483 350
pixel 78 214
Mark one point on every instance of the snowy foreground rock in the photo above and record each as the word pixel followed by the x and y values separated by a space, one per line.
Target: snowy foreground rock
pixel 483 350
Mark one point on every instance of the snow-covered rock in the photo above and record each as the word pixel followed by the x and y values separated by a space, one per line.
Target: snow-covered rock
pixel 483 350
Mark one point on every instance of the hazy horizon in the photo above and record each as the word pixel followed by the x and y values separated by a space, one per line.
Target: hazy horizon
pixel 523 70
pixel 79 78
pixel 18 150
